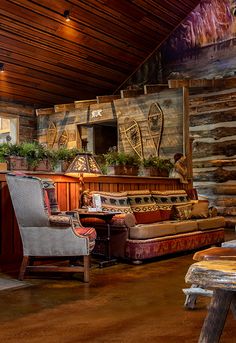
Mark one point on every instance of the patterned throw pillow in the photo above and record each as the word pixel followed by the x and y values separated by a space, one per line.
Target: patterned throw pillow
pixel 49 187
pixel 144 207
pixel 200 209
pixel 114 202
pixel 183 212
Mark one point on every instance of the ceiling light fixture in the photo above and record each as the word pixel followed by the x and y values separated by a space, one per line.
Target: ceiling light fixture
pixel 1 67
pixel 67 15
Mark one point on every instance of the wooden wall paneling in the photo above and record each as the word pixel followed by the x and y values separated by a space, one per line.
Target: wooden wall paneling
pixel 171 103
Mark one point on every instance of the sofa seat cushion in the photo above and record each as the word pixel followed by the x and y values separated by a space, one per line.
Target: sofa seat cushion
pixel 144 207
pixel 185 226
pixel 154 230
pixel 210 223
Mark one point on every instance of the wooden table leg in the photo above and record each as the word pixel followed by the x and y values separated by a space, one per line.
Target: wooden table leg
pixel 215 319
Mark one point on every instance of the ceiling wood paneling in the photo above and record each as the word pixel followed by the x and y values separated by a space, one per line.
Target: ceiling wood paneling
pixel 48 60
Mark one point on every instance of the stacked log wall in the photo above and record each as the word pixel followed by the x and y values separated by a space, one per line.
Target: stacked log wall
pixel 27 119
pixel 213 126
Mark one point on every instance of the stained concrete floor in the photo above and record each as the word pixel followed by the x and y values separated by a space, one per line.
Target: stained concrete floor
pixel 122 304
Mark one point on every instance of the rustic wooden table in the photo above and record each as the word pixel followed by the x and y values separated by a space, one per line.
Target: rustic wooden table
pixel 221 276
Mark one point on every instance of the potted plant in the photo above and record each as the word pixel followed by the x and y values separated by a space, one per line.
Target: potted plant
pixel 120 163
pixel 62 157
pixel 37 156
pixel 12 154
pixel 3 163
pixel 156 166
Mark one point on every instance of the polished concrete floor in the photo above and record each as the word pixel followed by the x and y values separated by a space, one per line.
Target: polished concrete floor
pixel 122 304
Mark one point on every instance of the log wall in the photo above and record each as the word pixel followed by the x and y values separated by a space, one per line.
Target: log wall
pixel 27 119
pixel 213 126
pixel 68 190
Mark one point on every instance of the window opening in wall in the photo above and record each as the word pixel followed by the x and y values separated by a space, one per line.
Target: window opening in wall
pixel 8 130
pixel 97 138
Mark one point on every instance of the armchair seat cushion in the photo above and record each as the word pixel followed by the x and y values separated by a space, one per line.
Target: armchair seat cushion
pixel 88 232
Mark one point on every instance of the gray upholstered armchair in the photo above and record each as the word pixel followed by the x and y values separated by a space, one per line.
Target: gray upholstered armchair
pixel 42 238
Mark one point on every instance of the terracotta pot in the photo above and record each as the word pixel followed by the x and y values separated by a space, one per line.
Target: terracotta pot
pixel 16 163
pixel 122 170
pixel 155 172
pixel 3 165
pixel 43 165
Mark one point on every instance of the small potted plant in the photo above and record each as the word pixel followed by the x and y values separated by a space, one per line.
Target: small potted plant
pixel 62 157
pixel 156 166
pixel 120 163
pixel 13 156
pixel 36 155
pixel 3 163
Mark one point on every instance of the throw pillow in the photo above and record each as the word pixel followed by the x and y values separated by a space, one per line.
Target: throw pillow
pixel 49 187
pixel 114 202
pixel 182 212
pixel 144 207
pixel 165 211
pixel 200 209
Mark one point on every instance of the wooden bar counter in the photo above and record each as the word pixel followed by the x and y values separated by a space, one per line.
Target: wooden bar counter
pixel 68 190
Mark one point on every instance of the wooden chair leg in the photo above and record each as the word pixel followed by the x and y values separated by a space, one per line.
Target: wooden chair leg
pixel 216 317
pixel 86 268
pixel 24 264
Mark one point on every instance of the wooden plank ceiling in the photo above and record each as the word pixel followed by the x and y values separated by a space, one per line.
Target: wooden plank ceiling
pixel 48 60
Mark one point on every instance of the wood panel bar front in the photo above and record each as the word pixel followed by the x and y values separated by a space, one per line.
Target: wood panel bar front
pixel 67 190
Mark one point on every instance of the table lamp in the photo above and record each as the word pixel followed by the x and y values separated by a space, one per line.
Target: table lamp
pixel 83 164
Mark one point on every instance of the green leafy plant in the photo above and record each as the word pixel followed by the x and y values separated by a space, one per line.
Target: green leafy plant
pixel 34 153
pixel 162 164
pixel 115 158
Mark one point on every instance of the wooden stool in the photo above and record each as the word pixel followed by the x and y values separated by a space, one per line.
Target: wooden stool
pixel 221 276
pixel 216 253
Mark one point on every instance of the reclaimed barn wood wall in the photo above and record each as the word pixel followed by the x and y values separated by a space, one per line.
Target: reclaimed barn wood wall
pixel 213 126
pixel 67 117
pixel 138 108
pixel 27 120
